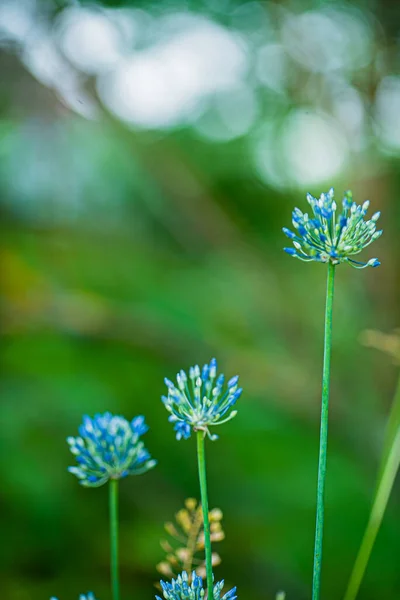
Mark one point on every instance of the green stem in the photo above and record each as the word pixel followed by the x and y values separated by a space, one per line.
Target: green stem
pixel 114 538
pixel 392 428
pixel 375 519
pixel 388 472
pixel 204 504
pixel 323 442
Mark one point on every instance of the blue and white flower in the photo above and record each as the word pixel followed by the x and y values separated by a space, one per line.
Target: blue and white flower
pixel 201 400
pixel 109 447
pixel 330 235
pixel 179 589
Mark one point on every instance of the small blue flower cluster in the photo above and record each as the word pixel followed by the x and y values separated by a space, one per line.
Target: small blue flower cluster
pixel 200 400
pixel 331 236
pixel 109 447
pixel 88 596
pixel 179 589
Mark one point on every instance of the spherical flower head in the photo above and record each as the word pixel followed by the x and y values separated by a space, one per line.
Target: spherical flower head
pixel 332 235
pixel 88 596
pixel 109 447
pixel 201 400
pixel 179 589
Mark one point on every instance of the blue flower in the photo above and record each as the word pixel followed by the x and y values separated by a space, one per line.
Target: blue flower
pixel 88 596
pixel 332 236
pixel 109 447
pixel 179 589
pixel 200 400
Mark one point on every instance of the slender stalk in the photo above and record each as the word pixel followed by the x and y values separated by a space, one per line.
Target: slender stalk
pixel 392 428
pixel 388 471
pixel 204 504
pixel 323 442
pixel 375 519
pixel 114 538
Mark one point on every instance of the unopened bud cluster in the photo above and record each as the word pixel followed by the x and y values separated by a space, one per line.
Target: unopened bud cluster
pixel 332 235
pixel 200 400
pixel 109 447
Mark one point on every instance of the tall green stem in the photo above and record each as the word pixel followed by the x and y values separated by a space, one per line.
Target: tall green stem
pixel 114 538
pixel 389 468
pixel 323 442
pixel 204 504
pixel 375 519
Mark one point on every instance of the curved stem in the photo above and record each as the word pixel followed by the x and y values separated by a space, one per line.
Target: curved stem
pixel 323 442
pixel 389 469
pixel 375 520
pixel 392 429
pixel 114 538
pixel 204 504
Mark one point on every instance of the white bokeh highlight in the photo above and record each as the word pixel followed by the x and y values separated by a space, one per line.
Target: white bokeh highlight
pixel 308 148
pixel 327 40
pixel 272 67
pixel 89 39
pixel 231 114
pixel 314 147
pixel 166 84
pixel 387 113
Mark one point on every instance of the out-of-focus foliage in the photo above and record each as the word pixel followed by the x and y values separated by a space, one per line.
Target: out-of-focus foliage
pixel 390 344
pixel 388 471
pixel 387 342
pixel 186 541
pixel 150 153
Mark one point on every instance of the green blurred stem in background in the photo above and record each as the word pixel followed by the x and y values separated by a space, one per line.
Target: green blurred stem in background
pixel 388 471
pixel 114 538
pixel 323 442
pixel 204 504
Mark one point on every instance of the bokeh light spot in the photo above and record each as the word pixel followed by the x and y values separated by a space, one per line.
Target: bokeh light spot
pixel 314 146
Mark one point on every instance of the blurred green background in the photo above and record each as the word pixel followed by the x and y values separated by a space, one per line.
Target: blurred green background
pixel 150 153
